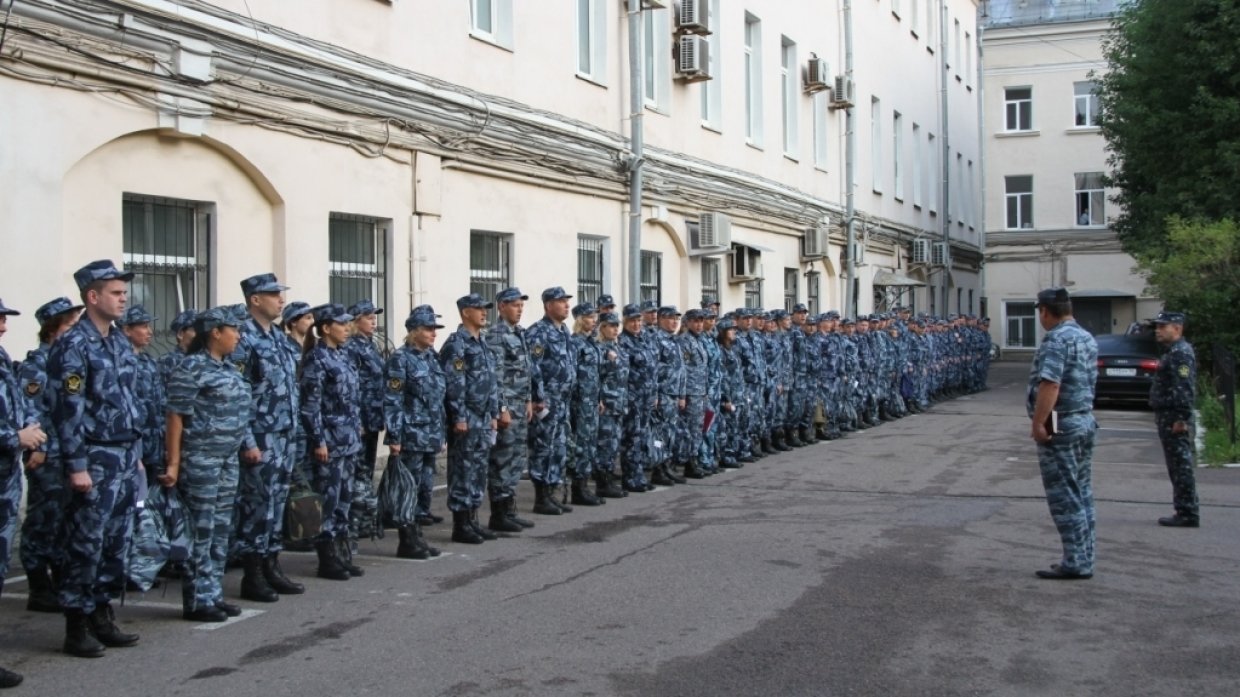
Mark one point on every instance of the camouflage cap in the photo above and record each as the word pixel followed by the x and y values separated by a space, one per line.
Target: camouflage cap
pixel 50 309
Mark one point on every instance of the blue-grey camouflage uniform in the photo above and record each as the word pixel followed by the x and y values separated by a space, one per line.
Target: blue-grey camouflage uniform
pixel 46 495
pixel 369 363
pixel 585 406
pixel 413 408
pixel 613 373
pixel 732 441
pixel 471 397
pixel 671 391
pixel 642 393
pixel 696 361
pixel 517 385
pixel 16 413
pixel 1068 356
pixel 214 403
pixel 332 419
pixel 708 452
pixel 557 371
pixel 1173 396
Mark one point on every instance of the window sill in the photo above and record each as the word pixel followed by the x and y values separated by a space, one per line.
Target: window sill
pixel 1020 229
pixel 712 128
pixel 1017 134
pixel 1081 130
pixel 755 145
pixel 592 80
pixel 916 206
pixel 656 109
pixel 899 199
pixel 913 33
pixel 792 158
pixel 489 39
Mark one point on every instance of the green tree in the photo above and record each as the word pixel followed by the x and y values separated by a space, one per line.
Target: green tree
pixel 1171 116
pixel 1198 270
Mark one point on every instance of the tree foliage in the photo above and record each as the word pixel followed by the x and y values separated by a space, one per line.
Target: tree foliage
pixel 1198 271
pixel 1171 116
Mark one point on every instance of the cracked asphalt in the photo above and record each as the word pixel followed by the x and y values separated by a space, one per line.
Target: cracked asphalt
pixel 897 561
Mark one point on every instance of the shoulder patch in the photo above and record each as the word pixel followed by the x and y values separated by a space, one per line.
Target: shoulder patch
pixel 1184 371
pixel 458 365
pixel 537 351
pixel 32 388
pixel 394 384
pixel 240 367
pixel 73 383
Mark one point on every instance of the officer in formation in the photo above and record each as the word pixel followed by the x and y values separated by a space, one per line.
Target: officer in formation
pixel 515 370
pixel 551 350
pixel 1173 396
pixel 369 363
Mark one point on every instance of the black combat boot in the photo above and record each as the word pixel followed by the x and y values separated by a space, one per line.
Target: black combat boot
pixel 276 579
pixel 254 584
pixel 542 500
pixel 755 447
pixel 671 473
pixel 659 477
pixel 344 547
pixel 692 471
pixel 80 640
pixel 510 509
pixel 779 440
pixel 793 438
pixel 204 613
pixel 462 531
pixel 558 500
pixel 499 521
pixel 228 608
pixel 407 548
pixel 329 563
pixel 582 496
pixel 765 444
pixel 9 679
pixel 420 544
pixel 42 591
pixel 103 625
pixel 482 532
pixel 605 486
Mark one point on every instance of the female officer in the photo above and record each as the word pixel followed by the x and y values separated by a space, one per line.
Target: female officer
pixel 585 405
pixel 208 411
pixel 613 378
pixel 414 414
pixel 333 425
pixel 45 501
pixel 369 364
pixel 296 320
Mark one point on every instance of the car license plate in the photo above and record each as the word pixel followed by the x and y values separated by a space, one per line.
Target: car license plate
pixel 1122 372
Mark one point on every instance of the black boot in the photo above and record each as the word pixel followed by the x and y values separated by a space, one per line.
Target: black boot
pixel 228 608
pixel 583 497
pixel 420 544
pixel 103 625
pixel 660 477
pixel 542 500
pixel 767 448
pixel 558 500
pixel 254 584
pixel 755 447
pixel 605 487
pixel 510 509
pixel 80 640
pixel 499 521
pixel 462 531
pixel 692 471
pixel 482 532
pixel 407 548
pixel 205 613
pixel 793 439
pixel 671 473
pixel 329 563
pixel 276 579
pixel 9 679
pixel 779 439
pixel 344 548
pixel 42 591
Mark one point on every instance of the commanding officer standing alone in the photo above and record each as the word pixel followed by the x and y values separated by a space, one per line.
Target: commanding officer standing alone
pixel 1172 397
pixel 1062 381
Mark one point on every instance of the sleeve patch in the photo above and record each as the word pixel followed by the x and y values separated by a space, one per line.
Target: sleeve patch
pixel 32 388
pixel 458 365
pixel 73 384
pixel 538 351
pixel 1184 371
pixel 395 384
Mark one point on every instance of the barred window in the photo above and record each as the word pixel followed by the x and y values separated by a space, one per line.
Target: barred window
pixel 753 293
pixel 591 263
pixel 710 280
pixel 652 277
pixel 811 292
pixel 357 261
pixel 791 288
pixel 165 243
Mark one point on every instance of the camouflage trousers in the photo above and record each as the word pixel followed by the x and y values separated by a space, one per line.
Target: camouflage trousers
pixel 10 499
pixel 1067 475
pixel 262 494
pixel 728 434
pixel 364 509
pixel 755 414
pixel 509 457
pixel 801 405
pixel 585 438
pixel 665 426
pixel 333 480
pixel 208 485
pixel 776 407
pixel 1178 454
pixel 549 443
pixel 46 497
pixel 98 525
pixel 708 447
pixel 416 464
pixel 467 468
pixel 689 434
pixel 607 450
pixel 301 472
pixel 635 458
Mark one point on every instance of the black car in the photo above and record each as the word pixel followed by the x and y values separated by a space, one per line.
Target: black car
pixel 1126 367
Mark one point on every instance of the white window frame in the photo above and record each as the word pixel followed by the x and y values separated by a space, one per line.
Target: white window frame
pixel 934 177
pixel 1085 105
pixel 968 60
pixel 897 155
pixel 1020 338
pixel 1016 107
pixel 971 192
pixel 589 289
pixel 1094 198
pixel 712 89
pixel 753 81
pixel 489 281
pixel 712 279
pixel 876 144
pixel 918 164
pixel 498 13
pixel 1021 199
pixel 956 48
pixel 374 271
pixel 789 75
pixel 656 60
pixel 592 40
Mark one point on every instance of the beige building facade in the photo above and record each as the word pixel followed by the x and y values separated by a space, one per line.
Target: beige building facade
pixel 1048 212
pixel 410 152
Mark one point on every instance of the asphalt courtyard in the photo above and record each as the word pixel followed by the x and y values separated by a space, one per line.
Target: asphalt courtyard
pixel 896 561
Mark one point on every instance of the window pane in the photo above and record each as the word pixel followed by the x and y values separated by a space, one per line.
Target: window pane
pixel 583 36
pixel 483 14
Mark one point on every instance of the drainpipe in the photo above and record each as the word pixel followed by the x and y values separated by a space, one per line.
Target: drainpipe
pixel 637 106
pixel 850 166
pixel 945 129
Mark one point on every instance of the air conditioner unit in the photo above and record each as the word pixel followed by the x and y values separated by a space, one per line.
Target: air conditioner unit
pixel 712 235
pixel 817 75
pixel 921 251
pixel 940 254
pixel 744 264
pixel 693 58
pixel 843 93
pixel 814 242
pixel 693 16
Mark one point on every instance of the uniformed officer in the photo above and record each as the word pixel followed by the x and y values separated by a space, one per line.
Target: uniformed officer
pixel 137 324
pixel 41 551
pixel 332 420
pixel 369 363
pixel 182 328
pixel 692 419
pixel 413 408
pixel 269 364
pixel 297 320
pixel 208 409
pixel 91 372
pixel 671 396
pixel 708 452
pixel 1173 396
pixel 641 396
pixel 518 381
pixel 729 434
pixel 557 371
pixel 585 403
pixel 20 433
pixel 613 373
pixel 472 409
pixel 1061 381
